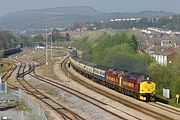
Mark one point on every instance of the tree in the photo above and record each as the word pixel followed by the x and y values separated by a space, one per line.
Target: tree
pixel 1 55
pixel 67 37
pixel 7 40
pixel 175 69
pixel 176 86
pixel 135 42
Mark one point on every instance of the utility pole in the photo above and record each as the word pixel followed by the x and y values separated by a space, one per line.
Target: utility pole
pixel 46 48
pixel 51 45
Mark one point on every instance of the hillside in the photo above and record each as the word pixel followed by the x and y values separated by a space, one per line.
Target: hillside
pixel 64 17
pixel 60 17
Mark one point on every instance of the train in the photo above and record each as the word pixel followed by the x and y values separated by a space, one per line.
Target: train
pixel 138 85
pixel 8 52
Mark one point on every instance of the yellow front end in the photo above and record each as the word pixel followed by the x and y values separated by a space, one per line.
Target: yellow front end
pixel 147 91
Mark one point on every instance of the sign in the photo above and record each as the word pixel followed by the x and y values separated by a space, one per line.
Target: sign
pixel 166 93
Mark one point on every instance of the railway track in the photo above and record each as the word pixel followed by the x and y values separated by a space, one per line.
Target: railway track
pixel 9 73
pixel 166 107
pixel 65 113
pixel 24 70
pixel 72 91
pixel 154 114
pixel 168 113
pixel 80 95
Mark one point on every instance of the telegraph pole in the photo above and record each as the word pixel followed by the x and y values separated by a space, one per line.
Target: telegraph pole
pixel 46 48
pixel 51 45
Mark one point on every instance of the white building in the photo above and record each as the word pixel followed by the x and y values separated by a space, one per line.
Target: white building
pixel 163 57
pixel 166 43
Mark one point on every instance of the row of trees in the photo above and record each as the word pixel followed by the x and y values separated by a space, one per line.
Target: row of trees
pixel 7 40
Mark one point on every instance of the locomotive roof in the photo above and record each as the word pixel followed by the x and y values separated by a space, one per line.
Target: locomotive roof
pixel 133 74
pixel 142 77
pixel 117 71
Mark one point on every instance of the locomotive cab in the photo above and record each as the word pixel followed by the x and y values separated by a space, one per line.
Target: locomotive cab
pixel 147 88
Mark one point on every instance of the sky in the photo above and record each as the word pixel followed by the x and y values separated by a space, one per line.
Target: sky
pixel 9 6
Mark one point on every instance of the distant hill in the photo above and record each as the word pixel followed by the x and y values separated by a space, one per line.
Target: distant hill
pixel 64 17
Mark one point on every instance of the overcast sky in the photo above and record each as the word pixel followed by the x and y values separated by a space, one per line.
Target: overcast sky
pixel 7 6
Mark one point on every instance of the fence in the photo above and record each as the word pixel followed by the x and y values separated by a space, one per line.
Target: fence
pixel 35 107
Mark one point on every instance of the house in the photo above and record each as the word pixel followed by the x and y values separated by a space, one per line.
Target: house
pixel 166 43
pixel 163 57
